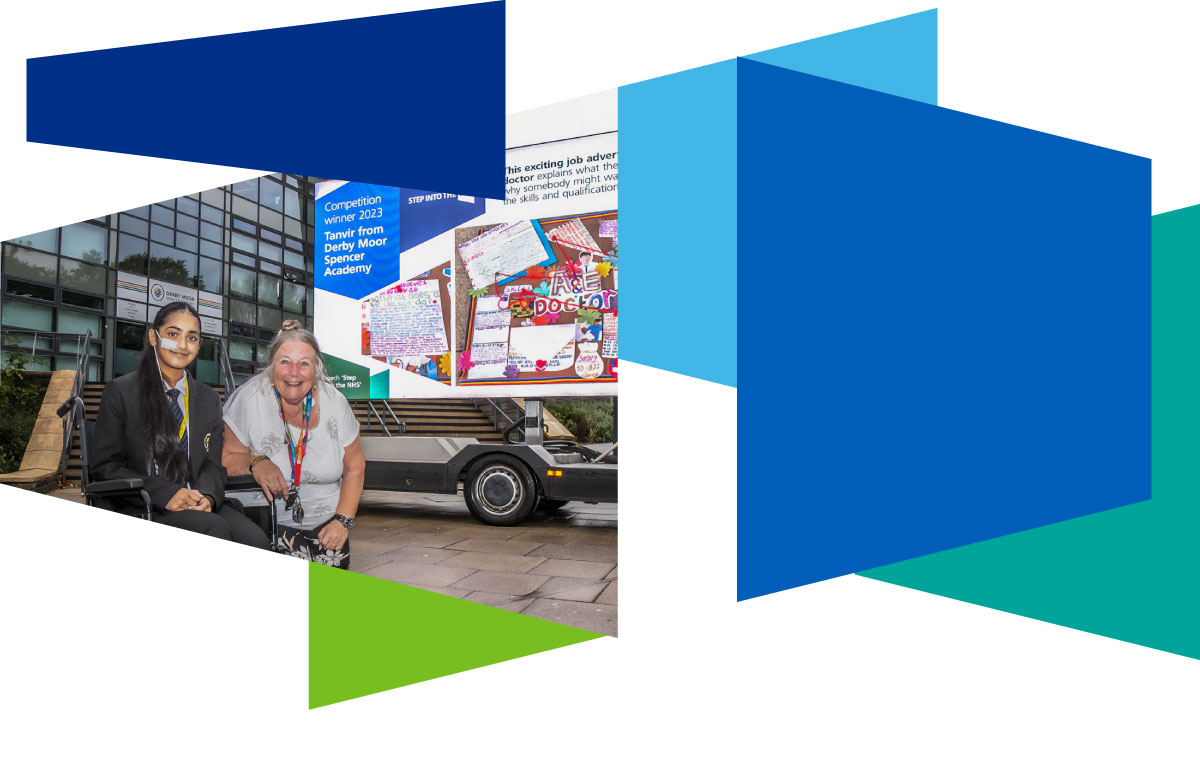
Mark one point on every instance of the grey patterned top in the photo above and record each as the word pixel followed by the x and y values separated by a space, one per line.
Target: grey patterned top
pixel 253 416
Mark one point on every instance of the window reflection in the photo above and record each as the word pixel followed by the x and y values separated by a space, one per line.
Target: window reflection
pixel 209 277
pixel 21 262
pixel 43 241
pixel 271 194
pixel 293 298
pixel 82 277
pixel 247 189
pixel 268 290
pixel 241 282
pixel 86 242
pixel 171 265
pixel 131 254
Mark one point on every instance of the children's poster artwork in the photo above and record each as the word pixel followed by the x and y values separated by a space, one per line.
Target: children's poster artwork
pixel 406 325
pixel 539 315
pixel 502 252
pixel 609 334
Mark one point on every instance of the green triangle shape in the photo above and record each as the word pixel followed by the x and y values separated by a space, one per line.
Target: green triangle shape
pixel 1129 573
pixel 367 635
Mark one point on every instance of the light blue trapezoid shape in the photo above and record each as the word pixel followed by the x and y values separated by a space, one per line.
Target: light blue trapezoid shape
pixel 678 145
pixel 679 185
pixel 898 56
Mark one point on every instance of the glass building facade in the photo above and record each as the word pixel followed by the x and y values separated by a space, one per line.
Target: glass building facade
pixel 242 254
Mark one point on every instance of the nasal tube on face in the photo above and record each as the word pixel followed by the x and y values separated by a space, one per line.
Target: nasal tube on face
pixel 166 343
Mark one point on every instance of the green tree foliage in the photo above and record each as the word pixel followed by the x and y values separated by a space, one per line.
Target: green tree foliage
pixel 20 400
pixel 590 419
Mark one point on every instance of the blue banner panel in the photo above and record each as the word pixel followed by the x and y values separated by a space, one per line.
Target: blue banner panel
pixel 357 239
pixel 944 330
pixel 386 104
pixel 428 214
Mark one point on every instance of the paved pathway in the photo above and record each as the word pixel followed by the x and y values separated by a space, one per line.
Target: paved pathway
pixel 549 567
pixel 560 567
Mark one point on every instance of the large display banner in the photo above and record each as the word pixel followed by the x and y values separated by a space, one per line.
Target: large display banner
pixel 427 295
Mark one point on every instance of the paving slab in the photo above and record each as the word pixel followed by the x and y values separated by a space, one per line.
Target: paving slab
pixel 609 595
pixel 374 547
pixel 426 555
pixel 490 561
pixel 448 591
pixel 495 546
pixel 418 575
pixel 437 540
pixel 573 552
pixel 593 617
pixel 565 588
pixel 516 607
pixel 548 535
pixel 361 564
pixel 481 531
pixel 494 598
pixel 372 534
pixel 501 582
pixel 578 569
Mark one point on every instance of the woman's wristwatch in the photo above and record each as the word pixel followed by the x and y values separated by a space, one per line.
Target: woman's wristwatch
pixel 347 522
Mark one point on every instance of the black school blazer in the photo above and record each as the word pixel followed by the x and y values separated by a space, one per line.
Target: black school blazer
pixel 118 450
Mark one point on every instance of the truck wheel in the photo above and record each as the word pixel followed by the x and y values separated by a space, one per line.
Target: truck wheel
pixel 500 491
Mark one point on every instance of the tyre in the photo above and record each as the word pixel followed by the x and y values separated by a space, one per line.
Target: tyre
pixel 549 505
pixel 499 491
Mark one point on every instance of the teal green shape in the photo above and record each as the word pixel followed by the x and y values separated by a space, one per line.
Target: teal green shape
pixel 1131 573
pixel 898 56
pixel 351 379
pixel 380 386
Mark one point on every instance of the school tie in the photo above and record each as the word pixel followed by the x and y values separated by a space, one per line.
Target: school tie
pixel 173 396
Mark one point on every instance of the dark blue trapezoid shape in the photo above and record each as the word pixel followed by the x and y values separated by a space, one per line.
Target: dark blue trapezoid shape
pixel 944 329
pixel 382 99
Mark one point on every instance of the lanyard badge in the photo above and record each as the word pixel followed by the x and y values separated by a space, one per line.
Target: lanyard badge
pixel 296 457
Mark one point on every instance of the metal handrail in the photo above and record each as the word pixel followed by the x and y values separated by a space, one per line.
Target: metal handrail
pixel 496 409
pixel 371 411
pixel 227 380
pixel 395 418
pixel 82 361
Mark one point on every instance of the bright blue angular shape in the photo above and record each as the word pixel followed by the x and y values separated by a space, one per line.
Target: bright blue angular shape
pixel 376 99
pixel 898 56
pixel 950 334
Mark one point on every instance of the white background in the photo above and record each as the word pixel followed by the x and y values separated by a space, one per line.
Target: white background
pixel 134 643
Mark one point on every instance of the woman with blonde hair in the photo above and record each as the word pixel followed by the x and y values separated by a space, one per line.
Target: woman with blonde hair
pixel 295 433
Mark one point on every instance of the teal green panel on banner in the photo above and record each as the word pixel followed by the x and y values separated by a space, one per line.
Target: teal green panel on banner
pixel 367 635
pixel 351 379
pixel 897 57
pixel 379 385
pixel 1130 573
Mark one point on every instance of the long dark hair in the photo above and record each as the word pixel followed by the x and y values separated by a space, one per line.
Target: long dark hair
pixel 160 432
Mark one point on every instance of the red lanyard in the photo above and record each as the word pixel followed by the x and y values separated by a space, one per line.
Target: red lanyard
pixel 296 453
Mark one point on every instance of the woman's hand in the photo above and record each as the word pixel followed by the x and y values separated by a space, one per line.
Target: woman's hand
pixel 185 498
pixel 333 535
pixel 270 479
